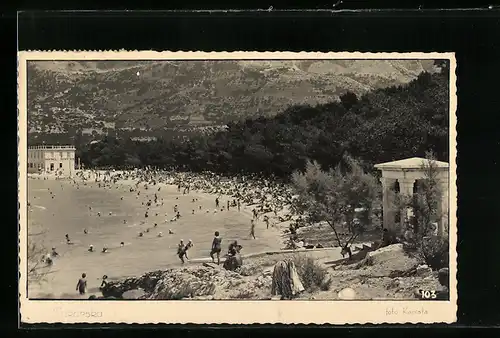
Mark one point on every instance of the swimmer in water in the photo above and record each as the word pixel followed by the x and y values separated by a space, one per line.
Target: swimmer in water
pixel 122 244
pixel 147 230
pixel 54 252
pixel 160 234
pixel 170 232
pixel 110 213
pixel 99 214
pixel 91 248
pixel 192 212
pixel 141 234
pixel 104 250
pixel 48 260
pixel 85 231
pixel 124 221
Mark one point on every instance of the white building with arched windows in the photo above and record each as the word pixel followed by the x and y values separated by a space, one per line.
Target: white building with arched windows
pixel 57 160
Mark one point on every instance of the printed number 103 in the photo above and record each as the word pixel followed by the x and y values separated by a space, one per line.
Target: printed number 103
pixel 426 294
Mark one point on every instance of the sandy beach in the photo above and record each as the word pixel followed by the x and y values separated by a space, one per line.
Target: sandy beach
pixel 59 207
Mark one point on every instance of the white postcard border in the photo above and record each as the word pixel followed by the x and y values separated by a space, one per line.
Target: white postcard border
pixel 229 312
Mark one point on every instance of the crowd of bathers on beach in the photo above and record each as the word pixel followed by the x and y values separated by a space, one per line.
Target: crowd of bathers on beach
pixel 269 201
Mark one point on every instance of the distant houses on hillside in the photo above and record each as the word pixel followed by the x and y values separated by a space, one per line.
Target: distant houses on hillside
pixel 144 138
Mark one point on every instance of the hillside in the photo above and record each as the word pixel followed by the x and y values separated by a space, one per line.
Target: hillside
pixel 65 96
pixel 383 125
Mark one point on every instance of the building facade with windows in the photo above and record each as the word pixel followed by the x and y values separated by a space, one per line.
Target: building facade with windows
pixel 57 160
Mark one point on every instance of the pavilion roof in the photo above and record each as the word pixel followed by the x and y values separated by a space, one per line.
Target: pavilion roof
pixel 409 163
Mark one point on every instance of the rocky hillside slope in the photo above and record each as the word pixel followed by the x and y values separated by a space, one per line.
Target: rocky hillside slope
pixel 71 95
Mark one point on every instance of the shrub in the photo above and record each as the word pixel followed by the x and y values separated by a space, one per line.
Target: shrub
pixel 312 275
pixel 435 251
pixel 431 250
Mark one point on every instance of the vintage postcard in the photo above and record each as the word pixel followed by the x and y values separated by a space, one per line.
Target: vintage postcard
pixel 237 188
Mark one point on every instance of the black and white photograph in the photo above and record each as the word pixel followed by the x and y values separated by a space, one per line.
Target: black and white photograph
pixel 239 177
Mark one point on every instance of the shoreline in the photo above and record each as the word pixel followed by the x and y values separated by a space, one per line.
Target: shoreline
pixel 256 271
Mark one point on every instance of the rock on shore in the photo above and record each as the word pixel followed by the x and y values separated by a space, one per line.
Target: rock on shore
pixel 385 273
pixel 196 282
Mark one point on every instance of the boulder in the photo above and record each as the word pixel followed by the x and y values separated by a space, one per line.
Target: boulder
pixel 388 259
pixel 211 265
pixel 147 282
pixel 249 269
pixel 192 282
pixel 133 294
pixel 423 270
pixel 347 294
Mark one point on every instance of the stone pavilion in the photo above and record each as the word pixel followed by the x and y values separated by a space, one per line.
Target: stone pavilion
pixel 402 177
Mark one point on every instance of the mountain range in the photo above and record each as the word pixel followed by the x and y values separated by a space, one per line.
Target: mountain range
pixel 66 96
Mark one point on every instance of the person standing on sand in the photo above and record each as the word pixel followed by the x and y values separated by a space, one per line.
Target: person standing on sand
pixel 217 203
pixel 104 282
pixel 266 219
pixel 180 250
pixel 239 205
pixel 228 205
pixel 187 247
pixel 81 286
pixel 216 248
pixel 252 229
